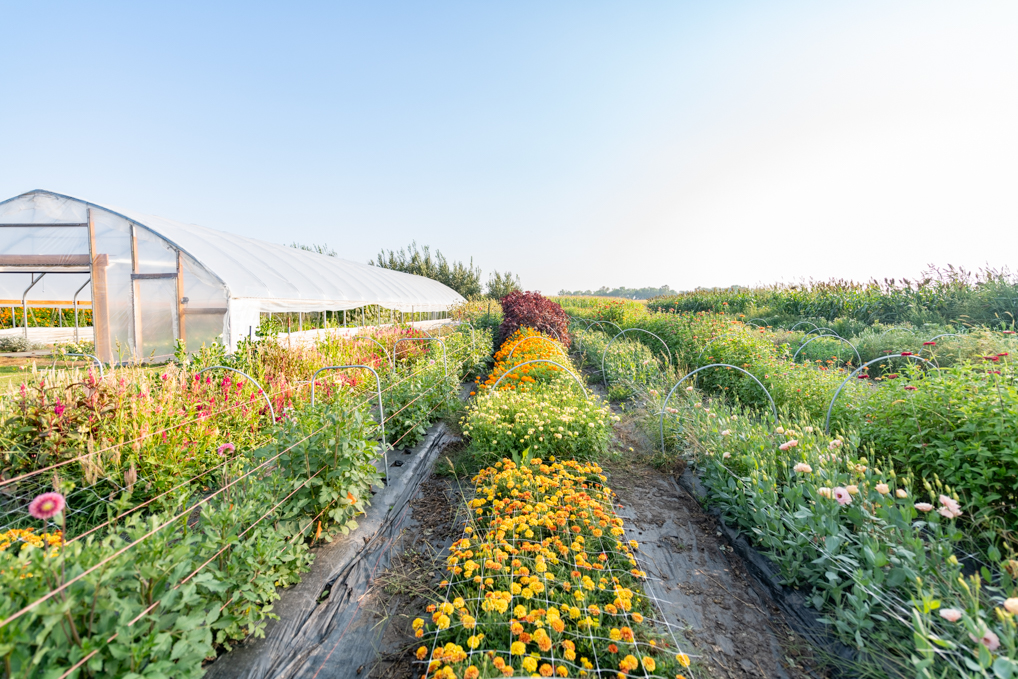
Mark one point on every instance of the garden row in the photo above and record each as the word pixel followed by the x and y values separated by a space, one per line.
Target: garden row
pixel 151 514
pixel 544 581
pixel 915 571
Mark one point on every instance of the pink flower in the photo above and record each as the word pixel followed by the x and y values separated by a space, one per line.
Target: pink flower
pixel 842 496
pixel 909 387
pixel 59 408
pixel 226 447
pixel 924 506
pixel 883 488
pixel 46 506
pixel 990 640
pixel 929 344
pixel 836 443
pixel 950 509
pixel 950 614
pixel 906 353
pixel 803 468
pixel 788 444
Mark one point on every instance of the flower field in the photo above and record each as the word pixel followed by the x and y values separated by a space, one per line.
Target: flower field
pixel 149 516
pixel 898 525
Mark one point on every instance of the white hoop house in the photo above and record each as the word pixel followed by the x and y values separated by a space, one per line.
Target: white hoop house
pixel 152 281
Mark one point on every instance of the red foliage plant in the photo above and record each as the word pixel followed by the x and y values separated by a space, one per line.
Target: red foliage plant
pixel 533 310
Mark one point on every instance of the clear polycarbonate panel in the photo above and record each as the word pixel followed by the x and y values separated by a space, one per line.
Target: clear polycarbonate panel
pixel 113 239
pixel 155 255
pixel 158 307
pixel 203 330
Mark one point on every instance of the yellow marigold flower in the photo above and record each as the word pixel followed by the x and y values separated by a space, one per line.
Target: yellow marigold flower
pixel 648 663
pixel 457 603
pixel 475 641
pixel 615 635
pixel 447 608
pixel 418 623
pixel 629 663
pixel 443 621
pixel 517 648
pixel 529 664
pixel 570 654
pixel 562 671
pixel 469 622
pixel 422 652
pixel 520 611
pixel 682 659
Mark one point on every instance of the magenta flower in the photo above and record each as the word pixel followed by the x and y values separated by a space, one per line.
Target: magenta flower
pixel 906 353
pixel 226 447
pixel 842 496
pixel 59 408
pixel 929 344
pixel 909 387
pixel 46 506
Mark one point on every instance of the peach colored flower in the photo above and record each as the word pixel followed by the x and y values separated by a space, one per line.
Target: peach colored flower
pixel 924 506
pixel 883 488
pixel 950 614
pixel 803 468
pixel 990 640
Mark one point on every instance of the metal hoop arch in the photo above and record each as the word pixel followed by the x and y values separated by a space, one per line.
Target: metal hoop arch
pixel 94 358
pixel 372 339
pixel 774 408
pixel 381 408
pixel 764 321
pixel 827 421
pixel 946 334
pixel 531 337
pixel 472 343
pixel 800 323
pixel 604 375
pixel 608 322
pixel 830 330
pixel 445 362
pixel 268 401
pixel 541 360
pixel 837 337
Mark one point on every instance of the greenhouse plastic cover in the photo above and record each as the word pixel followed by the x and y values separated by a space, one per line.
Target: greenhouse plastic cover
pixel 259 276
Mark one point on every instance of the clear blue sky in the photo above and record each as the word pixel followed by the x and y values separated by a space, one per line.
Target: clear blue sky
pixel 579 144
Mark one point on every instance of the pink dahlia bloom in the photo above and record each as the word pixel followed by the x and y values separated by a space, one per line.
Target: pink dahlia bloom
pixel 46 506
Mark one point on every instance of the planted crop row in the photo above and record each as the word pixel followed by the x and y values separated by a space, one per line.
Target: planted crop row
pixel 544 581
pixel 155 587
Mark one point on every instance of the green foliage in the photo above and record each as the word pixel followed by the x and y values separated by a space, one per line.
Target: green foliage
pixel 463 278
pixel 628 293
pixel 948 296
pixel 553 419
pixel 501 284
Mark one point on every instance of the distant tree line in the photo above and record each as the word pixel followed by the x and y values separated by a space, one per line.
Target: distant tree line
pixel 463 278
pixel 628 293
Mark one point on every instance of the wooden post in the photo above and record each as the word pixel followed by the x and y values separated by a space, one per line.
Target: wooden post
pixel 181 328
pixel 100 299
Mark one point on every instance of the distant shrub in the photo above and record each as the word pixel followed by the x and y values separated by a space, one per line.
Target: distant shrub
pixel 533 310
